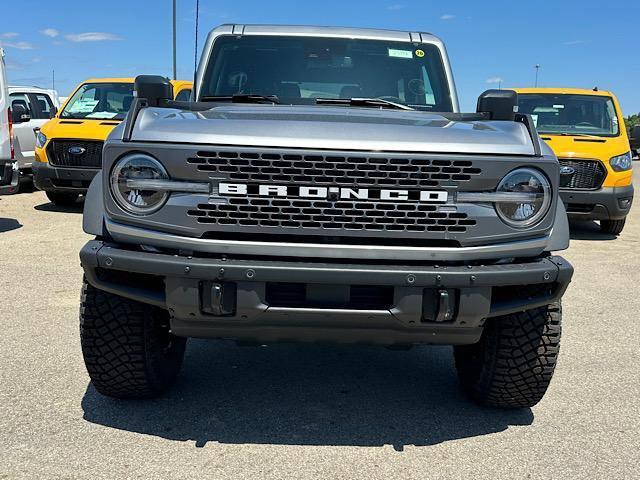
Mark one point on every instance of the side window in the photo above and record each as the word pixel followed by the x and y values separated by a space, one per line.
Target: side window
pixel 43 106
pixel 21 99
pixel 184 95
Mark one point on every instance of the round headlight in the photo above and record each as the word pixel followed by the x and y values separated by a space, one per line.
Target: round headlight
pixel 128 184
pixel 529 200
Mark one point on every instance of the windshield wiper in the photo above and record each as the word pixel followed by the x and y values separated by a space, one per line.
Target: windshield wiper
pixel 241 98
pixel 363 102
pixel 567 134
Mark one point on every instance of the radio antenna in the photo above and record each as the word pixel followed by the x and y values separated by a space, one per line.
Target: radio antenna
pixel 195 53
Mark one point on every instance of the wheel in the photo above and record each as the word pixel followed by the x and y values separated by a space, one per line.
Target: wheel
pixel 614 227
pixel 126 345
pixel 65 199
pixel 512 365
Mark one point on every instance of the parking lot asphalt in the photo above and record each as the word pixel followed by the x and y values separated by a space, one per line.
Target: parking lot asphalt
pixel 300 411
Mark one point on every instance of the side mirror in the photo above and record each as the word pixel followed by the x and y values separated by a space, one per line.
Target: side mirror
pixel 19 114
pixel 154 88
pixel 635 133
pixel 499 104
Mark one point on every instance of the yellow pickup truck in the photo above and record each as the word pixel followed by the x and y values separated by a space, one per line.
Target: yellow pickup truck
pixel 585 129
pixel 68 150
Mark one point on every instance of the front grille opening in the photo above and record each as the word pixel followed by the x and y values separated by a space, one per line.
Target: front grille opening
pixel 588 174
pixel 332 169
pixel 580 208
pixel 75 153
pixel 62 183
pixel 353 297
pixel 350 216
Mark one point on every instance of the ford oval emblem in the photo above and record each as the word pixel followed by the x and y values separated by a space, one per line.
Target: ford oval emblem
pixel 567 170
pixel 76 150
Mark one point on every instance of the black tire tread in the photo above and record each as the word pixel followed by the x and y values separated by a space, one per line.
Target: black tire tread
pixel 512 365
pixel 123 351
pixel 613 227
pixel 65 199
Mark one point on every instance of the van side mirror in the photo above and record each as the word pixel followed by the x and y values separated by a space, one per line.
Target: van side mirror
pixel 499 104
pixel 154 88
pixel 19 114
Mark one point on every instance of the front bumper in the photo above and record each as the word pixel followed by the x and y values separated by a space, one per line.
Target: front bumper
pixel 62 179
pixel 180 285
pixel 9 177
pixel 607 203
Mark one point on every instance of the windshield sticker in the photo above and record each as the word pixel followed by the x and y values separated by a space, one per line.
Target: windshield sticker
pixel 535 120
pixel 400 53
pixel 102 115
pixel 419 53
pixel 558 106
pixel 83 106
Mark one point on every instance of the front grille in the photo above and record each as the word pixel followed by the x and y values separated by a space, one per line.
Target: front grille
pixel 336 170
pixel 588 175
pixel 89 155
pixel 321 214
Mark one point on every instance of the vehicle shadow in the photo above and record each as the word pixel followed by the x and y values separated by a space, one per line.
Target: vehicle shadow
pixel 308 395
pixel 77 207
pixel 9 224
pixel 588 230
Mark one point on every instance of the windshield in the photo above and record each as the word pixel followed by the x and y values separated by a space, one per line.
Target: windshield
pixel 100 101
pixel 298 70
pixel 571 114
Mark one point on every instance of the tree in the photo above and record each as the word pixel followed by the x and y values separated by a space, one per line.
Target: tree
pixel 632 120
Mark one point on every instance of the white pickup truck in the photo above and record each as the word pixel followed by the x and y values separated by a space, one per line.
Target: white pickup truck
pixel 8 167
pixel 41 105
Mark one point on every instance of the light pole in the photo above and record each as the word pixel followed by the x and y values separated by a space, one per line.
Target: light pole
pixel 537 69
pixel 175 75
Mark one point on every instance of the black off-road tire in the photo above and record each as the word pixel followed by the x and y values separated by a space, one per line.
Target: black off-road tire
pixel 126 345
pixel 512 365
pixel 613 227
pixel 63 199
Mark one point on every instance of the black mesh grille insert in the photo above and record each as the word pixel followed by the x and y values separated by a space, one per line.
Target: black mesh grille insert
pixel 335 170
pixel 326 215
pixel 588 175
pixel 75 153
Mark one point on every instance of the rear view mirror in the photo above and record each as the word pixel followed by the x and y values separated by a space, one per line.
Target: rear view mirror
pixel 499 104
pixel 154 88
pixel 19 114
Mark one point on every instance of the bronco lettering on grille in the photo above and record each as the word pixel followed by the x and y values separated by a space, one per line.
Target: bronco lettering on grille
pixel 332 193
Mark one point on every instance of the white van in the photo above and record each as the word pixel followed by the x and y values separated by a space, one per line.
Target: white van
pixel 8 167
pixel 41 105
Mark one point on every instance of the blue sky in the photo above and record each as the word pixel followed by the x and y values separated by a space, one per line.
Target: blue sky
pixel 577 43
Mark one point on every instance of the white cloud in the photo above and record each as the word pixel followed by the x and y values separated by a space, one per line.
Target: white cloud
pixel 8 35
pixel 50 32
pixel 495 80
pixel 447 16
pixel 574 42
pixel 395 6
pixel 19 45
pixel 92 37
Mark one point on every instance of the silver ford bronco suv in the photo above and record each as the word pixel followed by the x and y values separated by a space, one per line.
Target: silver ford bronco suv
pixel 322 186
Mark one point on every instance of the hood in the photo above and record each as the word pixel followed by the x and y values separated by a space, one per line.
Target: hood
pixel 78 129
pixel 597 148
pixel 324 127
